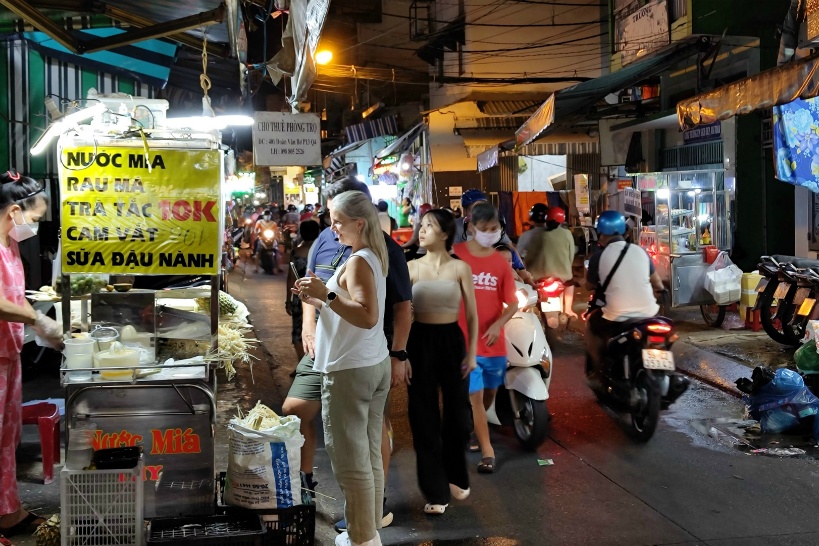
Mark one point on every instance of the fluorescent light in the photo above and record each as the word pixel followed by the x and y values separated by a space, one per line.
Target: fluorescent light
pixel 65 123
pixel 663 193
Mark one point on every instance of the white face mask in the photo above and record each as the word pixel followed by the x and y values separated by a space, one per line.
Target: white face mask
pixel 487 239
pixel 21 232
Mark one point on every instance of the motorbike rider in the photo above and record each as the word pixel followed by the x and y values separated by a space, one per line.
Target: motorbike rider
pixel 629 289
pixel 537 215
pixel 266 222
pixel 551 255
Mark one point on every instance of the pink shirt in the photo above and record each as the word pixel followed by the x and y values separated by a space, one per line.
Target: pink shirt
pixel 12 288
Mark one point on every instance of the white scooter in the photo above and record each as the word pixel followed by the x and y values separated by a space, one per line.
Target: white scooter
pixel 528 371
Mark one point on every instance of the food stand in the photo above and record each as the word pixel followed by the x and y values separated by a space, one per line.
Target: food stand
pixel 691 213
pixel 130 206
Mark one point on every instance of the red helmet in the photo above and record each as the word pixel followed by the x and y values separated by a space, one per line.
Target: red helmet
pixel 556 214
pixel 423 209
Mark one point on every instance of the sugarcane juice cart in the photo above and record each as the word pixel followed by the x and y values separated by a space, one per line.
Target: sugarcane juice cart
pixel 691 213
pixel 133 207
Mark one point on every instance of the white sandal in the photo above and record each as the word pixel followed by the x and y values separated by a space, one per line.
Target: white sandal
pixel 458 493
pixel 435 509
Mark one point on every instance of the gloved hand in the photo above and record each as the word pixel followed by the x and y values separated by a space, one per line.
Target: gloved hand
pixel 49 331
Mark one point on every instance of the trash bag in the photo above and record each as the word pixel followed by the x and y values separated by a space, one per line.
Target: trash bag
pixel 723 280
pixel 781 404
pixel 761 376
pixel 806 358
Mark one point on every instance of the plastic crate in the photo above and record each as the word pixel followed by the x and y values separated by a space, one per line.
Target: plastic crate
pixel 294 526
pixel 243 529
pixel 102 507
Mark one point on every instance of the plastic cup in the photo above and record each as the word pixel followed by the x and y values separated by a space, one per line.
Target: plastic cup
pixel 79 346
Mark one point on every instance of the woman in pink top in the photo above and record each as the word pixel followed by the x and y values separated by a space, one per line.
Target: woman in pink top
pixel 22 204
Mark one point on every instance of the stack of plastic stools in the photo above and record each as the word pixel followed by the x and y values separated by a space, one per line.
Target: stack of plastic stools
pixel 753 319
pixel 47 417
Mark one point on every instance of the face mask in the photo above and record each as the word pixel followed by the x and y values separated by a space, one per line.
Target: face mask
pixel 486 239
pixel 21 232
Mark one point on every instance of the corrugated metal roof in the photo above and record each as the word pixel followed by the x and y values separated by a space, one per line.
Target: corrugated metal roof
pixel 505 108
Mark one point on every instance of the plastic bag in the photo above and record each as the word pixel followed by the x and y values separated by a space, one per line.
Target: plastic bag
pixel 806 358
pixel 723 280
pixel 263 466
pixel 781 404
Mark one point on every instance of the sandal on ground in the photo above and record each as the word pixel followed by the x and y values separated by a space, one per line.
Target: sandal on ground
pixel 435 509
pixel 5 542
pixel 487 465
pixel 458 493
pixel 474 446
pixel 28 524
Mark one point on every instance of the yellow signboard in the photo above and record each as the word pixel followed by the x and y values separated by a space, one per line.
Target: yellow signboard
pixel 125 212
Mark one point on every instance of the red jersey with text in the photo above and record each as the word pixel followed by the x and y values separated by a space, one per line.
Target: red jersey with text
pixel 494 286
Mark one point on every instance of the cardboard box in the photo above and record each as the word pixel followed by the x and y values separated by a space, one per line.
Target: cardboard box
pixel 749 293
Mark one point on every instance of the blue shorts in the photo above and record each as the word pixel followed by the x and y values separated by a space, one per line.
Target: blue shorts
pixel 489 374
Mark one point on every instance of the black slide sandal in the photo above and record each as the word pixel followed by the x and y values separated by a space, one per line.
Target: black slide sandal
pixel 27 524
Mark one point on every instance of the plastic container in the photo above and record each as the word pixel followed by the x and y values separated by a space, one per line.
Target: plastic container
pixel 78 346
pixel 243 529
pixel 104 336
pixel 709 253
pixel 102 507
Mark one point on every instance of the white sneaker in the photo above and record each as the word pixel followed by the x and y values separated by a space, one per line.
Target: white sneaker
pixel 344 540
pixel 458 493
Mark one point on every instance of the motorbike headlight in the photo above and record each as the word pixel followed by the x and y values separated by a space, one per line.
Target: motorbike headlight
pixel 523 297
pixel 268 233
pixel 546 361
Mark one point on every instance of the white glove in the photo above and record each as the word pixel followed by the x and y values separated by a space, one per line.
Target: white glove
pixel 49 331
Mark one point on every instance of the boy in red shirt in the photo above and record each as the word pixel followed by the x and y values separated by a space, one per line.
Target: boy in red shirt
pixel 494 287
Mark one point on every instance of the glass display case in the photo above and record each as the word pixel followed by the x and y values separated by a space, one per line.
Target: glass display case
pixel 691 212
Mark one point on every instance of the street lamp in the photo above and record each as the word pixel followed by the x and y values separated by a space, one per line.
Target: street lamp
pixel 324 56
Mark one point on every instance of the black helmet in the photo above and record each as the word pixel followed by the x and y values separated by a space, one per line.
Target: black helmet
pixel 538 213
pixel 291 208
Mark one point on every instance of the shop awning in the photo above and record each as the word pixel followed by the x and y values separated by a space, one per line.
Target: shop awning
pixel 347 148
pixel 564 104
pixel 371 128
pixel 148 61
pixel 402 143
pixel 780 85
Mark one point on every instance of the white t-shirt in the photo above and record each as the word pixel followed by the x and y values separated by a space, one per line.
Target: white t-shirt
pixel 526 239
pixel 629 294
pixel 339 344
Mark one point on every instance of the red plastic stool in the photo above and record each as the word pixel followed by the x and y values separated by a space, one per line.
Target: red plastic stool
pixel 47 417
pixel 752 319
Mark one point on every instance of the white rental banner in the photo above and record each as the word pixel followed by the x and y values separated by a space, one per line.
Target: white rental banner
pixel 281 139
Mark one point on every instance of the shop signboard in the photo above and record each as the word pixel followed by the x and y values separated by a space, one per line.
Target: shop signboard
pixel 456 191
pixel 631 202
pixel 581 193
pixel 127 211
pixel 643 31
pixel 624 183
pixel 703 133
pixel 281 139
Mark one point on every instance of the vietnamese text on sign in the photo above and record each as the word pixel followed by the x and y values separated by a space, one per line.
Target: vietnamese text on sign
pixel 119 217
pixel 281 139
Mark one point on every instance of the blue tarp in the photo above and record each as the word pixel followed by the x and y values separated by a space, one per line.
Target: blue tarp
pixel 796 143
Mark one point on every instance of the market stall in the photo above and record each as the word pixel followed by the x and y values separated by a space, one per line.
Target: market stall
pixel 690 221
pixel 139 364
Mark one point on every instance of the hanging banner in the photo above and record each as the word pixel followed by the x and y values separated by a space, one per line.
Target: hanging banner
pixel 581 193
pixel 286 140
pixel 123 213
pixel 642 32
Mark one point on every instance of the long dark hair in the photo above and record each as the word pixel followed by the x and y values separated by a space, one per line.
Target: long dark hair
pixel 21 190
pixel 446 221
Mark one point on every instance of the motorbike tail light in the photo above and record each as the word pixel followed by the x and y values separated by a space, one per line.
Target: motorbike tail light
pixel 659 328
pixel 656 339
pixel 551 289
pixel 637 335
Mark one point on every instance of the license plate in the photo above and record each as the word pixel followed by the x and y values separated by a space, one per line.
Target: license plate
pixel 806 307
pixel 781 290
pixel 657 359
pixel 552 305
pixel 763 284
pixel 801 294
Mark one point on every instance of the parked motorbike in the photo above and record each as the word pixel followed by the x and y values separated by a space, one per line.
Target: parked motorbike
pixel 268 251
pixel 639 376
pixel 528 374
pixel 551 291
pixel 787 292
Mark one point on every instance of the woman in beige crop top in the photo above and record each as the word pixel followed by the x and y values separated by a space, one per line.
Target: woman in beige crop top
pixel 441 361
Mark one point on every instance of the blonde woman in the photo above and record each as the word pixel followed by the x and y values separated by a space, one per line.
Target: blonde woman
pixel 351 351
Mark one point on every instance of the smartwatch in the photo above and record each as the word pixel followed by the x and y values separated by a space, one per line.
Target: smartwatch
pixel 400 355
pixel 331 297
